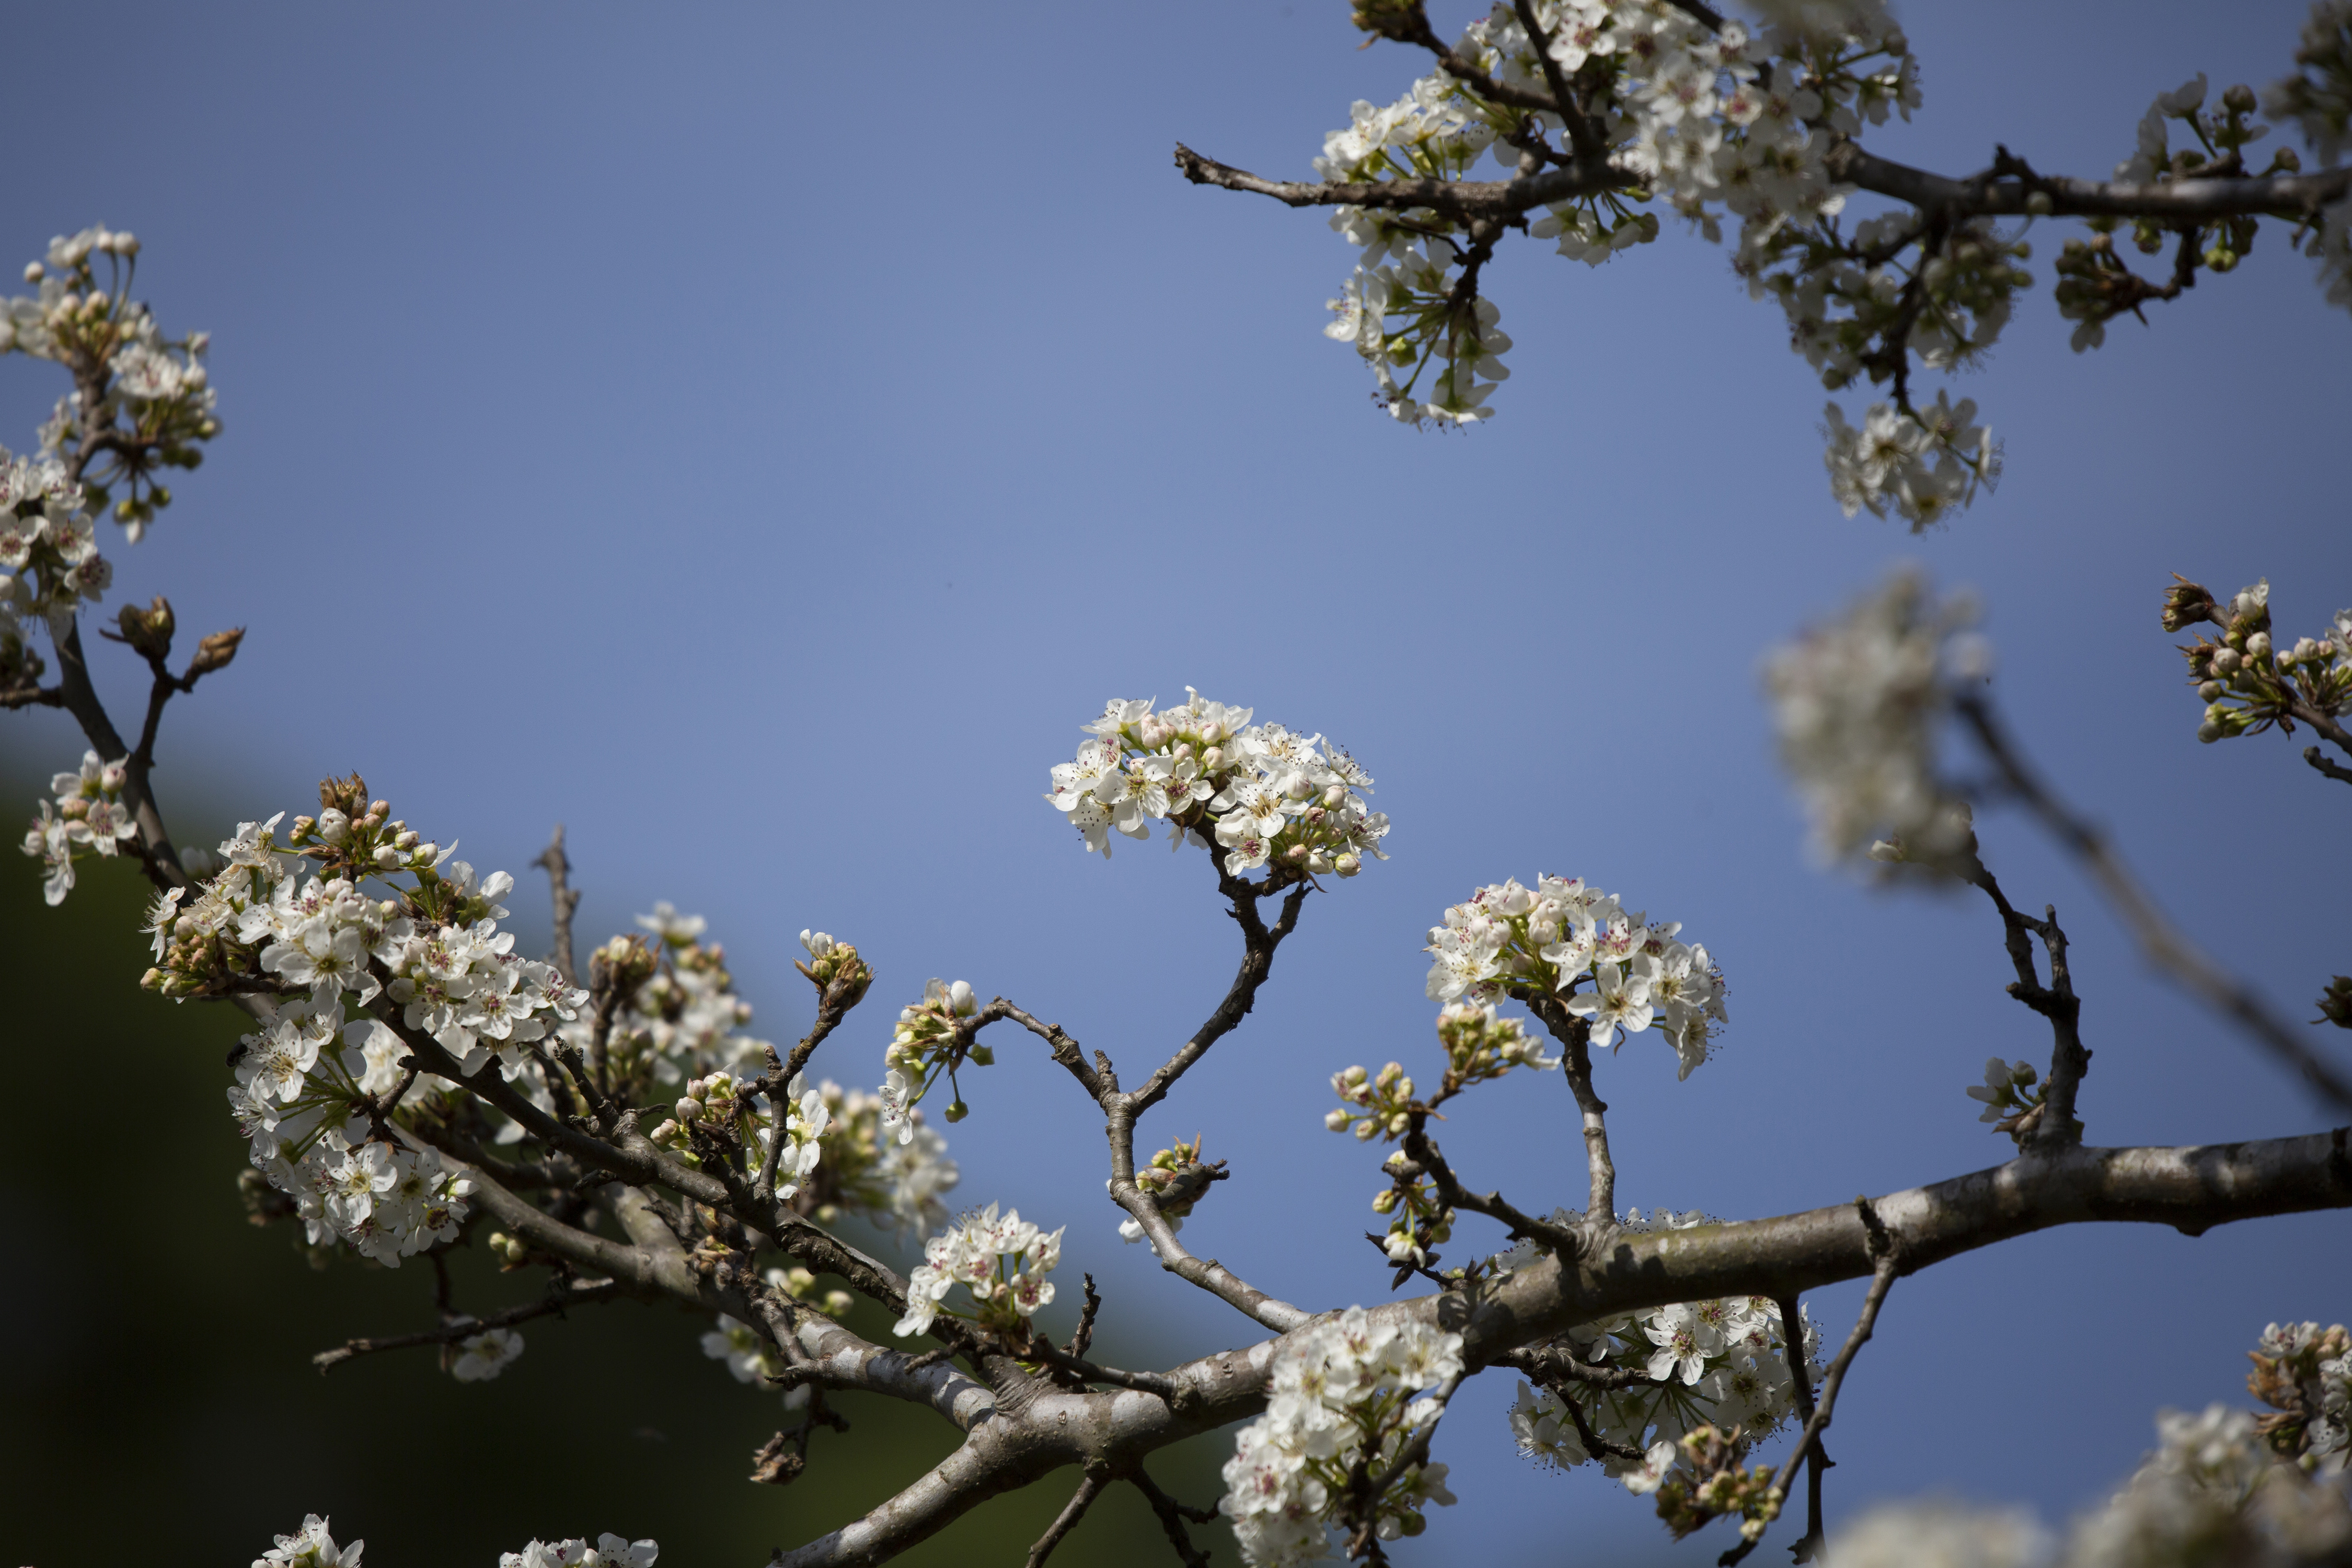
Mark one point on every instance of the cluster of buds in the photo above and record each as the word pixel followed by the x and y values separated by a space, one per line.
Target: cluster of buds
pixel 1178 1178
pixel 2304 1372
pixel 156 398
pixel 621 967
pixel 355 836
pixel 830 961
pixel 1709 1483
pixel 1377 1105
pixel 1417 1222
pixel 721 1116
pixel 2248 683
pixel 932 1040
pixel 1480 1047
pixel 2012 1098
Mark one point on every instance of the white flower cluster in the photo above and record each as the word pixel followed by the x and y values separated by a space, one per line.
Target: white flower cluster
pixel 300 1104
pixel 310 1547
pixel 925 1046
pixel 482 1357
pixel 1856 705
pixel 1003 1262
pixel 1267 795
pixel 314 1547
pixel 1561 934
pixel 1924 465
pixel 1721 1363
pixel 610 1551
pixel 87 810
pixel 1342 1391
pixel 158 386
pixel 50 563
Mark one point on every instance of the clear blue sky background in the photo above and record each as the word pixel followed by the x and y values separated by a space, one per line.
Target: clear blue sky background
pixel 757 437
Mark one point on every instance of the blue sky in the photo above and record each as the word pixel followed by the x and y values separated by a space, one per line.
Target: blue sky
pixel 759 437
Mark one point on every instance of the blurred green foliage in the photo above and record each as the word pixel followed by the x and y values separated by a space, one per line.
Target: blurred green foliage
pixel 157 1400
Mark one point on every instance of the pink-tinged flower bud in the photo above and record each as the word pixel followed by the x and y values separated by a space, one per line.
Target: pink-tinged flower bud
pixel 334 826
pixel 1211 733
pixel 1296 854
pixel 1213 758
pixel 2227 662
pixel 1296 787
pixel 1333 798
pixel 1183 750
pixel 688 1109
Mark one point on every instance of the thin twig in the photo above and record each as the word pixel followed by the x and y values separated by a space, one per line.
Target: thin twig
pixel 2326 766
pixel 2160 939
pixel 1173 1515
pixel 565 899
pixel 1792 1348
pixel 1090 1488
pixel 1881 1279
pixel 580 1294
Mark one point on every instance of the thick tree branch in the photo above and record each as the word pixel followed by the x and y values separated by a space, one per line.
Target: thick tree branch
pixel 2192 1189
pixel 2290 196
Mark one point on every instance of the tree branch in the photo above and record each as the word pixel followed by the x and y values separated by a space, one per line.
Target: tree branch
pixel 2190 1188
pixel 1881 1279
pixel 565 899
pixel 2160 941
pixel 1090 1488
pixel 2326 768
pixel 563 1297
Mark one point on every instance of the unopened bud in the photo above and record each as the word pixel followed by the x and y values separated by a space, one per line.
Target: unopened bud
pixel 2258 646
pixel 215 652
pixel 35 272
pixel 148 631
pixel 1213 758
pixel 837 1303
pixel 2038 204
pixel 1336 1119
pixel 2239 99
pixel 957 1110
pixel 982 1057
pixel 1347 864
pixel 688 1109
pixel 1386 1203
pixel 2211 691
